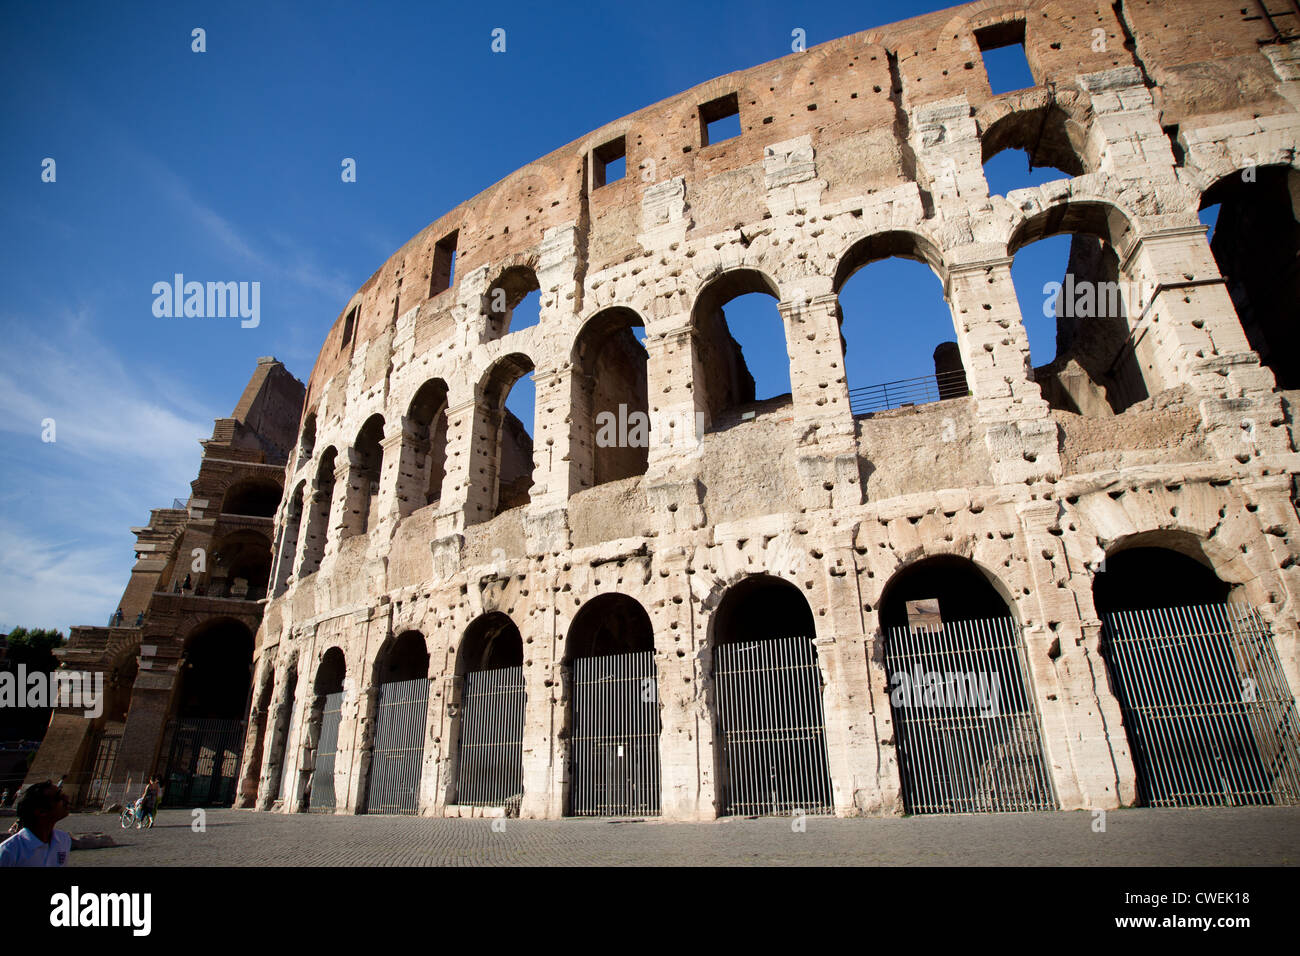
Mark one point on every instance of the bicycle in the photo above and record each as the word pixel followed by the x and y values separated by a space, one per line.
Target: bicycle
pixel 135 816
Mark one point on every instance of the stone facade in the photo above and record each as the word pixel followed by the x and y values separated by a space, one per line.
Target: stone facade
pixel 1171 432
pixel 201 568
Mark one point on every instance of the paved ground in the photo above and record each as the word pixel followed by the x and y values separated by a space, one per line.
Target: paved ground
pixel 1243 836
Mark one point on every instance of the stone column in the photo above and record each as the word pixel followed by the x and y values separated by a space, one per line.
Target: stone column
pixel 459 495
pixel 824 429
pixel 546 522
pixel 678 419
pixel 1019 430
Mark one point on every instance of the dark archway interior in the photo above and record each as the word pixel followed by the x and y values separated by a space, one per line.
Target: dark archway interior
pixel 216 672
pixel 1256 243
pixel 406 659
pixel 257 498
pixel 963 591
pixel 1143 578
pixel 428 413
pixel 763 608
pixel 610 624
pixel 329 676
pixel 490 643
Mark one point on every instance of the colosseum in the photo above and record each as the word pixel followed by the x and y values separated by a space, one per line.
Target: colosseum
pixel 1070 586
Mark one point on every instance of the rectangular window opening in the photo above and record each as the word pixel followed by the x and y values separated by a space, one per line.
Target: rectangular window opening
pixel 1003 49
pixel 443 272
pixel 609 163
pixel 349 325
pixel 720 120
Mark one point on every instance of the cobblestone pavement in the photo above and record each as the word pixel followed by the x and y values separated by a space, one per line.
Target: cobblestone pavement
pixel 1241 836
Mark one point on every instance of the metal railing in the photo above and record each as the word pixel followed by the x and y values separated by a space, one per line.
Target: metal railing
pixel 491 770
pixel 1210 718
pixel 967 729
pixel 773 729
pixel 398 754
pixel 615 742
pixel 908 391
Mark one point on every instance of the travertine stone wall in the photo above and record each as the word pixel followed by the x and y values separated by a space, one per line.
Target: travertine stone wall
pixel 859 149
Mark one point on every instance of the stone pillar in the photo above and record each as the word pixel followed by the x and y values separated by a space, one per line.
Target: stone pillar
pixel 146 724
pixel 823 421
pixel 1019 430
pixel 543 790
pixel 546 523
pixel 408 451
pixel 278 749
pixel 315 537
pixel 432 788
pixel 344 509
pixel 1067 676
pixel 686 738
pixel 459 495
pixel 678 419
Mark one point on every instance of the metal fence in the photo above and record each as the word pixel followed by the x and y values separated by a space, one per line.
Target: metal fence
pixel 615 742
pixel 203 762
pixel 908 391
pixel 491 770
pixel 773 730
pixel 398 755
pixel 322 779
pixel 965 725
pixel 105 760
pixel 1211 720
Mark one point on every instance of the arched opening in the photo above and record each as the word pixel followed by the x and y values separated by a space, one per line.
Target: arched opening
pixel 119 682
pixel 1097 365
pixel 768 689
pixel 293 523
pixel 611 424
pixel 286 724
pixel 401 676
pixel 255 497
pixel 742 362
pixel 363 491
pixel 966 723
pixel 318 518
pixel 1256 243
pixel 1209 715
pixel 322 744
pixel 489 716
pixel 206 736
pixel 613 710
pixel 502 466
pixel 307 443
pixel 514 301
pixel 428 419
pixel 261 717
pixel 889 364
pixel 1030 147
pixel 240 566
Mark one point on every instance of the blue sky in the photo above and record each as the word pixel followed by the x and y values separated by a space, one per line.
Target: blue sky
pixel 225 165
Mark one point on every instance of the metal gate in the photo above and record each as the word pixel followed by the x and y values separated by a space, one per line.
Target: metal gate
pixel 105 761
pixel 398 754
pixel 1211 720
pixel 965 725
pixel 322 798
pixel 203 763
pixel 773 732
pixel 492 738
pixel 615 742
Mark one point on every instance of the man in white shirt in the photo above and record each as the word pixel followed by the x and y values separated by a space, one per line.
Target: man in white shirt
pixel 38 844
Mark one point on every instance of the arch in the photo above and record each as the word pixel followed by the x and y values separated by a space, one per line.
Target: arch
pixel 427 417
pixel 362 513
pixel 770 758
pixel 723 375
pixel 394 756
pixel 511 286
pixel 318 517
pixel 488 716
pixel 215 670
pixel 402 658
pixel 290 534
pixel 1197 677
pixel 1256 244
pixel 1100 366
pixel 240 566
pixel 953 587
pixel 611 400
pixel 502 445
pixel 307 441
pixel 330 672
pixel 1037 125
pixel 612 722
pixel 900 243
pixel 317 784
pixel 254 497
